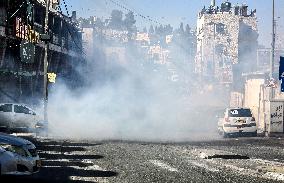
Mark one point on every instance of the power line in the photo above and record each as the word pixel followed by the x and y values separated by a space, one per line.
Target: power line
pixel 17 10
pixel 70 32
pixel 144 17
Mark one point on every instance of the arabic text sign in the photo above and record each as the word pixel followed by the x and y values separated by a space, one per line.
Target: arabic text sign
pixel 276 117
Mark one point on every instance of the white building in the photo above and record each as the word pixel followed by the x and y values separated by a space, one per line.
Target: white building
pixel 226 39
pixel 88 42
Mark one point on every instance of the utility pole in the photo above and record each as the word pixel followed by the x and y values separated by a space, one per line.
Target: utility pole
pixel 213 3
pixel 273 41
pixel 45 64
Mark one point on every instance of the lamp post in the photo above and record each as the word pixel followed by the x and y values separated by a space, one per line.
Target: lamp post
pixel 45 64
pixel 273 41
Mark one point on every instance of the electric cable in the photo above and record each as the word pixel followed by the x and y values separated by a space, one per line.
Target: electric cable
pixel 144 17
pixel 71 34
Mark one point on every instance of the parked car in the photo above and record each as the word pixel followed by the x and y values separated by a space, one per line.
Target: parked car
pixel 17 117
pixel 18 156
pixel 237 122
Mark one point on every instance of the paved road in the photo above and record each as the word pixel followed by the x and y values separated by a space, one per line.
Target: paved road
pixel 230 160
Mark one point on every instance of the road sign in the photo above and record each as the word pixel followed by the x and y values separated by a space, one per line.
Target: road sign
pixel 27 52
pixel 281 68
pixel 272 83
pixel 51 77
pixel 281 73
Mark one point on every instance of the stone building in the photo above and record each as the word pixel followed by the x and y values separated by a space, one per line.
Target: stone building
pixel 226 42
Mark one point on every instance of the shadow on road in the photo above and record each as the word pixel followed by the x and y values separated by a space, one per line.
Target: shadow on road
pixel 63 162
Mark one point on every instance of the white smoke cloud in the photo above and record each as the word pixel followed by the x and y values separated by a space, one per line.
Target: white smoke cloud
pixel 136 105
pixel 135 101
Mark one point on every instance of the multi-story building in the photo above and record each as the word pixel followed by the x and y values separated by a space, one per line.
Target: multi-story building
pixel 226 42
pixel 22 50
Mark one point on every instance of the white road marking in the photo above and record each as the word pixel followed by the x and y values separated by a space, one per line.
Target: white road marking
pixel 274 176
pixel 89 179
pixel 163 165
pixel 47 166
pixel 49 152
pixel 58 145
pixel 267 162
pixel 203 165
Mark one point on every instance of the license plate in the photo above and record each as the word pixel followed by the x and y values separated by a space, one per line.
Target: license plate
pixel 38 163
pixel 241 121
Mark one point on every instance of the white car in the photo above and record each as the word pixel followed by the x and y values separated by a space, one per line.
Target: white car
pixel 17 117
pixel 237 122
pixel 18 156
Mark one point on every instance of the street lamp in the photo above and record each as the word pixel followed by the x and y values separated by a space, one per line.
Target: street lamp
pixel 273 41
pixel 46 38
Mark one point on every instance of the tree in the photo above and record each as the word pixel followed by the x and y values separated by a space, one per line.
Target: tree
pixel 129 21
pixel 129 24
pixel 168 29
pixel 187 30
pixel 99 24
pixel 116 21
pixel 151 30
pixel 145 30
pixel 181 29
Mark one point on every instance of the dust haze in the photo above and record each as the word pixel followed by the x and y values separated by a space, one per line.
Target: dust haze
pixel 133 102
pixel 131 97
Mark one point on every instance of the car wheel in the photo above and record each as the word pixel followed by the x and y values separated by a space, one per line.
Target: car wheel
pixel 254 134
pixel 220 132
pixel 225 135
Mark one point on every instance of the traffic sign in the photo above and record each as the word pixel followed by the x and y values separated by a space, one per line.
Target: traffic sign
pixel 27 52
pixel 281 68
pixel 281 73
pixel 51 77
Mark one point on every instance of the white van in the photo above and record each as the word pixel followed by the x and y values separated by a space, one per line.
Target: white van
pixel 237 122
pixel 17 117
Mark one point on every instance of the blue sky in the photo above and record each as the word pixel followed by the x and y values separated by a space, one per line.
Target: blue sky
pixel 176 11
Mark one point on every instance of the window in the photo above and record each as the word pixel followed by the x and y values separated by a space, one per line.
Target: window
pixel 21 109
pixel 240 113
pixel 220 28
pixel 6 108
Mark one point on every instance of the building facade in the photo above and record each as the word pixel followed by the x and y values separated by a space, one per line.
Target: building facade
pixel 22 51
pixel 226 42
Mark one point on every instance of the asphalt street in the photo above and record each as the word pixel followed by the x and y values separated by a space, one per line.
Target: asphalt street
pixel 225 160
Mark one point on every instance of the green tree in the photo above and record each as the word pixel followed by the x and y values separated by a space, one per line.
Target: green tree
pixel 145 30
pixel 151 30
pixel 168 29
pixel 129 24
pixel 116 21
pixel 187 30
pixel 129 21
pixel 99 23
pixel 181 29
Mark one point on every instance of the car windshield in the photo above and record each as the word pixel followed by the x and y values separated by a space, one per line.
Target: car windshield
pixel 240 113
